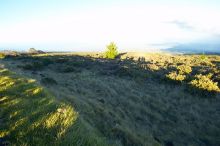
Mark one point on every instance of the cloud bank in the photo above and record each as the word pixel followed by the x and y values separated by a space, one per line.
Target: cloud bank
pixel 131 27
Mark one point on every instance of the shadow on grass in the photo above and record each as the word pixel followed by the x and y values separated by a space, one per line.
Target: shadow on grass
pixel 124 99
pixel 29 115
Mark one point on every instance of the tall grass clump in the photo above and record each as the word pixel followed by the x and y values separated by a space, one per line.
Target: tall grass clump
pixel 111 52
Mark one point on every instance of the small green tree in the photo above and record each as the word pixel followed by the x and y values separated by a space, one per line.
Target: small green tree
pixel 111 52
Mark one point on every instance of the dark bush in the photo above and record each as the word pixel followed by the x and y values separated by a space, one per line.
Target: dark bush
pixel 81 63
pixel 48 81
pixel 46 61
pixel 62 60
pixel 123 71
pixel 69 69
pixel 33 66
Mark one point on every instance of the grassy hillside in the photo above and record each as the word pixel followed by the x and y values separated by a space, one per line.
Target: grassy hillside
pixel 30 115
pixel 134 100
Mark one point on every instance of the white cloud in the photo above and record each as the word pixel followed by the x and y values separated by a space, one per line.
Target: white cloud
pixel 131 26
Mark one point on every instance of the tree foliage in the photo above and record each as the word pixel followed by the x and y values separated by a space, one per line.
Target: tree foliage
pixel 111 52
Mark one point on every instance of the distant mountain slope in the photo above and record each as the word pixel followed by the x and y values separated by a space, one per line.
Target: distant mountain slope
pixel 206 46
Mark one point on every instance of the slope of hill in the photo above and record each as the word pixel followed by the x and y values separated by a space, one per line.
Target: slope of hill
pixel 197 47
pixel 134 100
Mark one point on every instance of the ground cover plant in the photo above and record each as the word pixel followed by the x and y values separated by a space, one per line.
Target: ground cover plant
pixel 132 100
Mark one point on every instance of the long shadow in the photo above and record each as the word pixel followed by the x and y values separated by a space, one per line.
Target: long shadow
pixel 30 115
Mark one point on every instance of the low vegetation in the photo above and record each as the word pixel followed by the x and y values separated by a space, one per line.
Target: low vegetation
pixel 2 55
pixel 132 100
pixel 204 82
pixel 176 77
pixel 48 81
pixel 30 115
pixel 184 69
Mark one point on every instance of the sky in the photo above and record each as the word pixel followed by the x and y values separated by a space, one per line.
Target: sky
pixel 85 25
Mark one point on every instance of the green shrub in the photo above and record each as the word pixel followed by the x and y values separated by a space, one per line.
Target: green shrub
pixel 2 55
pixel 111 52
pixel 153 67
pixel 33 66
pixel 203 57
pixel 184 69
pixel 176 77
pixel 204 82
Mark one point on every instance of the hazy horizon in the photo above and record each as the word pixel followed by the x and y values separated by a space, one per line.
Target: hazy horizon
pixel 89 26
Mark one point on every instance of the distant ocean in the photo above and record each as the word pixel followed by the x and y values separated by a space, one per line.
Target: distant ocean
pixel 204 47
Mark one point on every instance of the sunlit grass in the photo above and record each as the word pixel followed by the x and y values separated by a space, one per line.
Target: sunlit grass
pixel 17 94
pixel 2 55
pixel 32 116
